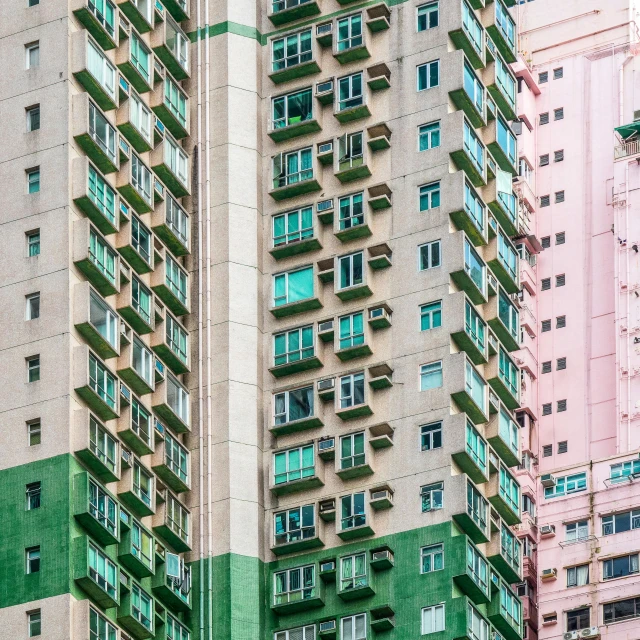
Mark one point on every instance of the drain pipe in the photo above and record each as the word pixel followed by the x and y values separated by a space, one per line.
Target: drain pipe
pixel 200 349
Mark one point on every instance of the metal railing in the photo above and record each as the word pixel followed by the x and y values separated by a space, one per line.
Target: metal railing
pixel 627 149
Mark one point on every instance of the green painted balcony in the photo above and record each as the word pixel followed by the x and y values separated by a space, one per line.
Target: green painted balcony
pixel 503 40
pixel 353 533
pixel 504 377
pixel 170 282
pixel 379 197
pixel 295 248
pixel 347 234
pixel 95 383
pixel 504 553
pixel 295 128
pixel 138 437
pixel 296 366
pixel 167 527
pixel 170 104
pixel 143 23
pixel 95 134
pixel 467 210
pixel 505 161
pixel 354 292
pixel 468 459
pixel 98 25
pixel 504 623
pixel 356 588
pixel 502 317
pixel 83 50
pixel 502 259
pixel 470 390
pixel 311 540
pixel 170 403
pixel 351 413
pixel 140 318
pixel 102 526
pixel 141 142
pixel 463 273
pixel 294 71
pixel 172 224
pixel 292 308
pixel 356 351
pixel 101 460
pixel 465 102
pixel 463 39
pixel 107 597
pixel 170 45
pixel 506 508
pixel 95 197
pixel 312 422
pixel 140 76
pixel 284 187
pixel 471 510
pixel 285 11
pixel 133 620
pixel 168 593
pixel 135 498
pixel 179 9
pixel 303 484
pixel 503 208
pixel 130 556
pixel 131 246
pixel 345 54
pixel 356 471
pixel 304 599
pixel 470 333
pixel 502 433
pixel 462 154
pixel 90 315
pixel 467 570
pixel 349 114
pixel 177 361
pixel 353 169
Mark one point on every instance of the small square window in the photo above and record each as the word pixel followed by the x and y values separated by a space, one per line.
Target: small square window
pixel 561 322
pixel 429 136
pixel 544 118
pixel 546 326
pixel 545 201
pixel 32 559
pixel 546 409
pixel 33 118
pixel 429 255
pixel 33 243
pixel 432 496
pixel 33 180
pixel 559 197
pixel 33 306
pixel 32 51
pixel 560 237
pixel 546 367
pixel 34 493
pixel 562 405
pixel 34 432
pixel 558 73
pixel 431 376
pixel 34 618
pixel 558 114
pixel 430 196
pixel 34 3
pixel 431 315
pixel 545 284
pixel 543 77
pixel 546 242
pixel 563 446
pixel 431 436
pixel 561 364
pixel 560 280
pixel 558 156
pixel 547 450
pixel 33 369
pixel 428 75
pixel 427 16
pixel 544 159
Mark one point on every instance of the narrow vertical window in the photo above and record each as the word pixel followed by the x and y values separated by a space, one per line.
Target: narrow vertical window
pixel 33 118
pixel 34 432
pixel 33 180
pixel 32 560
pixel 34 618
pixel 33 243
pixel 33 369
pixel 33 306
pixel 32 51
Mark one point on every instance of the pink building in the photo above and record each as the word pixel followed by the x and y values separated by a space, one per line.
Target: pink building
pixel 581 317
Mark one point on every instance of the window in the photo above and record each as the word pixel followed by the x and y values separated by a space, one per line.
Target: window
pixel 428 75
pixel 33 118
pixel 621 610
pixel 560 237
pixel 103 507
pixel 291 168
pixel 292 109
pixel 32 306
pixel 544 118
pixel 509 490
pixel 351 270
pixel 292 50
pixel 545 284
pixel 567 484
pixel 104 12
pixel 508 256
pixel 102 69
pixel 350 151
pixel 559 197
pixel 351 628
pixel 141 422
pixel 141 606
pixel 528 505
pixel 177 220
pixel 561 405
pixel 544 161
pixel 561 364
pixel 475 386
pixel 176 458
pixel 429 136
pixel 352 451
pixel 431 315
pixel 558 114
pixel 558 156
pixel 176 631
pixel 621 522
pixel 177 339
pixel 473 29
pixel 561 322
pixel 351 390
pixel 353 572
pixel 294 524
pixel 547 450
pixel 349 32
pixel 430 196
pixel 432 558
pixel 176 101
pixel 431 436
pixel 33 180
pixel 545 201
pixel 578 576
pixel 352 511
pixel 294 585
pixel 33 243
pixel 141 57
pixel 308 632
pixel 178 398
pixel 508 372
pixel 351 330
pixel 141 300
pixel 32 560
pixel 177 518
pixel 430 255
pixel 142 361
pixel 546 242
pixel 557 74
pixel 477 507
pixel 506 139
pixel 525 170
pixel 478 628
pixel 620 567
pixel 293 464
pixel 350 93
pixel 103 133
pixel 506 25
pixel 176 159
pixel 508 430
pixel 433 619
pixel 34 493
pixel 102 445
pixel 475 327
pixel 177 43
pixel 432 496
pixel 293 405
pixel 431 375
pixel 293 346
pixel 510 606
pixel 473 147
pixel 34 432
pixel 543 77
pixel 176 280
pixel 546 409
pixel 102 195
pixel 508 315
pixel 428 16
pixel 475 267
pixel 140 116
pixel 578 619
pixel 141 178
pixel 32 52
pixel 474 206
pixel 100 628
pixel 34 623
pixel 473 88
pixel 142 483
pixel 623 470
pixel 476 447
pixel 478 568
pixel 33 368
pixel 33 3
pixel 351 211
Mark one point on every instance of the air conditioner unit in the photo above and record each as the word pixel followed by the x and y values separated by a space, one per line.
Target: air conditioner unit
pixel 124 579
pixel 570 635
pixel 126 456
pixel 590 632
pixel 377 313
pixel 548 530
pixel 324 29
pixel 327 505
pixel 325 147
pixel 327 626
pixel 548 480
pixel 324 87
pixel 327 384
pixel 548 573
pixel 326 445
pixel 329 565
pixel 325 327
pixel 383 494
pixel 384 554
pixel 324 205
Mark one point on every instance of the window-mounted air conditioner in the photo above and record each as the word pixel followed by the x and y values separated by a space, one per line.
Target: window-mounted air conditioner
pixel 324 205
pixel 378 313
pixel 548 530
pixel 329 565
pixel 327 505
pixel 548 480
pixel 383 494
pixel 326 445
pixel 549 573
pixel 322 88
pixel 327 626
pixel 383 554
pixel 327 384
pixel 325 327
pixel 324 29
pixel 325 148
pixel 126 456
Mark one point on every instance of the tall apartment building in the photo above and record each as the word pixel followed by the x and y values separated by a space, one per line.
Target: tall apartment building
pixel 263 297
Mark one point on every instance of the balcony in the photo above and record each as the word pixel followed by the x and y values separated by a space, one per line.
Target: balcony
pixel 304 411
pixel 503 317
pixel 504 552
pixel 135 182
pixel 179 9
pixel 98 514
pixel 352 162
pixel 135 427
pixel 170 463
pixel 355 527
pixel 468 36
pixel 467 210
pixel 300 64
pixel 470 570
pixel 354 108
pixel 299 540
pixel 503 435
pixel 472 336
pixel 170 163
pixel 103 27
pixel 95 197
pixel 501 86
pixel 352 48
pixel 171 104
pixel 289 183
pixel 172 224
pixel 135 367
pixel 293 115
pixel 498 612
pixel 170 283
pixel 172 523
pixel 470 391
pixel 135 304
pixel 470 94
pixel 501 143
pixel 135 61
pixel 130 550
pixel 135 122
pixel 503 205
pixel 134 243
pixel 96 322
pixel 471 509
pixel 95 134
pixel 459 621
pixel 135 492
pixel 93 70
pixel 171 47
pixel 469 449
pixel 469 154
pixel 501 500
pixel 309 479
pixel 302 599
pixel 140 13
pixel 175 595
pixel 285 11
pixel 106 592
pixel 354 467
pixel 502 259
pixel 131 617
pixel 96 446
pixel 170 402
pixel 95 383
pixel 502 29
pixel 171 345
pixel 467 269
pixel 529 570
pixel 295 242
pixel 504 377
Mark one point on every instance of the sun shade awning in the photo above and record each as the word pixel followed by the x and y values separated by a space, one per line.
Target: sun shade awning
pixel 627 130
